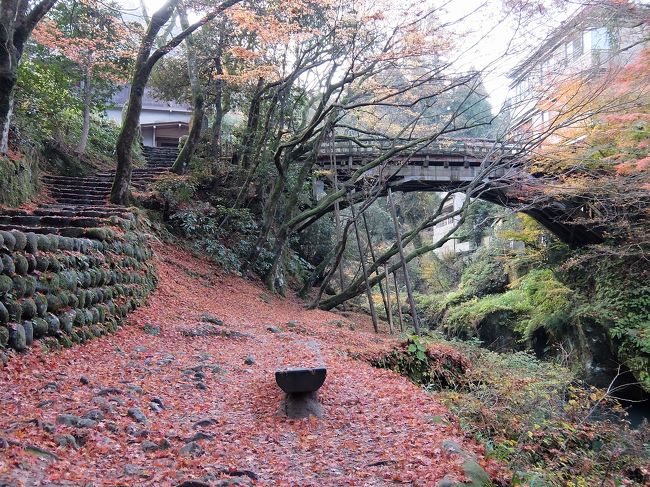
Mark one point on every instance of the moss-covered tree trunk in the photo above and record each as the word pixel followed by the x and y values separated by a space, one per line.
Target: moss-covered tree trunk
pixel 87 103
pixel 144 64
pixel 16 25
pixel 186 153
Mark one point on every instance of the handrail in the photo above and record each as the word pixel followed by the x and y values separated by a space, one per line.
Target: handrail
pixel 348 146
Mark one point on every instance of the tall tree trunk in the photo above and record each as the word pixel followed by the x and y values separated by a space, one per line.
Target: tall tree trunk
pixel 407 281
pixel 390 311
pixel 120 192
pixel 399 304
pixel 16 25
pixel 8 77
pixel 144 64
pixel 215 139
pixel 252 123
pixel 87 104
pixel 364 269
pixel 374 261
pixel 183 160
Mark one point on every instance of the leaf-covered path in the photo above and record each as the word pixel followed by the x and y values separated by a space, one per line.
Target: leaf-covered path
pixel 171 398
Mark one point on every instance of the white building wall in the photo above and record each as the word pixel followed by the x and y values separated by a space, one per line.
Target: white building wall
pixel 149 115
pixel 440 230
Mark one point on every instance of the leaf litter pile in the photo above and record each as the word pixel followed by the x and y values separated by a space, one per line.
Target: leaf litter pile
pixel 186 391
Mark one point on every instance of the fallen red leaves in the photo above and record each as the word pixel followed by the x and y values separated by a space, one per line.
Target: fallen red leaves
pixel 377 430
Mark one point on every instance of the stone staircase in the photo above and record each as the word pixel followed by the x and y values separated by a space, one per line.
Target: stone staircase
pixel 78 203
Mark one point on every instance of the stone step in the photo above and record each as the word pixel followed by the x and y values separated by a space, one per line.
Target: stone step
pixel 96 182
pixel 52 221
pixel 24 229
pixel 86 190
pixel 78 201
pixel 81 212
pixel 77 194
pixel 76 232
pixel 116 209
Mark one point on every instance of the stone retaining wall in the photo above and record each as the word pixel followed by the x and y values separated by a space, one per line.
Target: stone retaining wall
pixel 18 179
pixel 64 290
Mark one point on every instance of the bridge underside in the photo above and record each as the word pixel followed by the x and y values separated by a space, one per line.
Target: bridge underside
pixel 555 216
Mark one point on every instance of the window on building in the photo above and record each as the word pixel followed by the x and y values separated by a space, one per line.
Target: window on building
pixel 577 47
pixel 600 38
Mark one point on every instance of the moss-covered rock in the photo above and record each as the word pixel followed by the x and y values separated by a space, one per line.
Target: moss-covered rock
pixel 30 285
pixel 4 337
pixel 29 332
pixel 15 310
pixel 68 280
pixel 73 300
pixel 8 267
pixel 81 299
pixel 6 284
pixel 40 327
pixel 43 243
pixel 18 286
pixel 95 315
pixel 53 324
pixel 29 309
pixel 17 339
pixel 76 336
pixel 4 314
pixel 79 318
pixel 88 316
pixel 42 262
pixel 96 233
pixel 20 238
pixel 31 244
pixel 18 179
pixel 53 303
pixel 41 304
pixel 55 265
pixel 20 264
pixel 9 241
pixel 65 340
pixel 54 242
pixel 66 320
pixel 49 344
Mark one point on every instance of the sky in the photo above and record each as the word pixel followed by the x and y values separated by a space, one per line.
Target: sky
pixel 495 41
pixel 486 37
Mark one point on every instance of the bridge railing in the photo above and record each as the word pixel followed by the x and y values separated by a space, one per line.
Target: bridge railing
pixel 344 146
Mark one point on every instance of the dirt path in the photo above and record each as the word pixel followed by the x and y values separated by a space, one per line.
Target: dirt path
pixel 73 417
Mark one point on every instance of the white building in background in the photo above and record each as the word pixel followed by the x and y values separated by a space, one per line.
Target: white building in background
pixel 597 37
pixel 452 246
pixel 162 123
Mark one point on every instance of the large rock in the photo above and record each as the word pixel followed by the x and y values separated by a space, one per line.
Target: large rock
pixel 192 449
pixel 137 415
pixel 29 332
pixel 17 339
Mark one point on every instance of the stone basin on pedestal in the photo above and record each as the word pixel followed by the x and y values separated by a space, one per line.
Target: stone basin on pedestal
pixel 300 386
pixel 300 380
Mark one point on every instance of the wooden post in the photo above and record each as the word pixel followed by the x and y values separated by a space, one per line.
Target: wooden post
pixel 373 313
pixel 374 259
pixel 399 304
pixel 389 310
pixel 337 212
pixel 407 281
